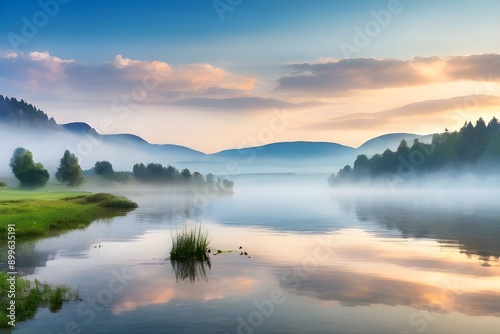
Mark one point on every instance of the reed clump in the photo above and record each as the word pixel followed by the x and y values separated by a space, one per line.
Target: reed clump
pixel 191 243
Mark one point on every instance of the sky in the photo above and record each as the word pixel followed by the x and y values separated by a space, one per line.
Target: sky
pixel 219 74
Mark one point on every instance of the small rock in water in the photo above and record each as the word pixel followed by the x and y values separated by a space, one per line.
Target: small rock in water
pixel 245 253
pixel 240 247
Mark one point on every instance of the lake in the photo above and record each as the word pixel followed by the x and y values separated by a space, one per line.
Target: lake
pixel 318 261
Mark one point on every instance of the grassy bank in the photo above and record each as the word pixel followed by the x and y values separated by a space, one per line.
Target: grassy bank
pixel 39 213
pixel 29 296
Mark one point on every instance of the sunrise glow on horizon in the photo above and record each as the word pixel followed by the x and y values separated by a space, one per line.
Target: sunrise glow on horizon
pixel 213 77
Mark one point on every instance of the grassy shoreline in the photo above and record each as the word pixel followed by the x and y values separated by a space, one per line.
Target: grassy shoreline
pixel 41 213
pixel 29 296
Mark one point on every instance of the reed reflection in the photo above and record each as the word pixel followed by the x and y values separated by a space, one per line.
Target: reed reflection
pixel 192 270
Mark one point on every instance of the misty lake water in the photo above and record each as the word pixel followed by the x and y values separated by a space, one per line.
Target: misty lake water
pixel 318 261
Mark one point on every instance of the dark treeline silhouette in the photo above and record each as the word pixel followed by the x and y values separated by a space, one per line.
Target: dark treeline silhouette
pixel 105 169
pixel 472 149
pixel 20 113
pixel 156 173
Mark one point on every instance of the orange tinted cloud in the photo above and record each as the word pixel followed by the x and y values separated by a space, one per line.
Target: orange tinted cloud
pixel 431 111
pixel 339 76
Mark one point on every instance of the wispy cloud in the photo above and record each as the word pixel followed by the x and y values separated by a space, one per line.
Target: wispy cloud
pixel 418 111
pixel 45 73
pixel 235 103
pixel 329 76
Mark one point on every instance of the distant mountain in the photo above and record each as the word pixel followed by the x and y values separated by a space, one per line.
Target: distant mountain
pixel 390 141
pixel 126 149
pixel 287 150
pixel 130 140
pixel 80 128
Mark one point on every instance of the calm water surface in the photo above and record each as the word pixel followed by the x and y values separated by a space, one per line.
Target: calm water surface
pixel 318 262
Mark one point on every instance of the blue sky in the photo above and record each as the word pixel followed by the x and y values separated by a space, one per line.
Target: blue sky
pixel 252 55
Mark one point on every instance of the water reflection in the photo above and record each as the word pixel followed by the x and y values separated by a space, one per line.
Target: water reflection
pixel 334 261
pixel 469 219
pixel 191 270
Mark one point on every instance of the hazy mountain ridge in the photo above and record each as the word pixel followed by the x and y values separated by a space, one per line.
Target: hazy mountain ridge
pixel 390 141
pixel 296 156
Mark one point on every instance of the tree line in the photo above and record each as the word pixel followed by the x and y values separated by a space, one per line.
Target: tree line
pixel 23 114
pixel 32 174
pixel 472 149
pixel 156 173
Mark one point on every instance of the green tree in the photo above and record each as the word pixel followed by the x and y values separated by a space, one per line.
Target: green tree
pixel 171 174
pixel 186 176
pixel 228 184
pixel 104 168
pixel 139 171
pixel 69 171
pixel 198 180
pixel 494 126
pixel 29 173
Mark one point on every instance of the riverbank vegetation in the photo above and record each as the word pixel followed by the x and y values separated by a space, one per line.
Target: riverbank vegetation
pixel 29 296
pixel 47 213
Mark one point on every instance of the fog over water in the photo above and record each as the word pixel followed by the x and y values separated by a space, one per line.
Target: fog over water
pixel 404 259
pixel 391 258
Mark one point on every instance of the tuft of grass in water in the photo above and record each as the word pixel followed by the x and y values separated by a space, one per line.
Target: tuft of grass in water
pixel 191 243
pixel 30 295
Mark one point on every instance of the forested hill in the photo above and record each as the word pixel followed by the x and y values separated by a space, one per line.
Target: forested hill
pixel 24 115
pixel 472 150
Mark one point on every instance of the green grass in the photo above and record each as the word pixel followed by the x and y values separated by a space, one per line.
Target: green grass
pixel 29 296
pixel 48 213
pixel 191 243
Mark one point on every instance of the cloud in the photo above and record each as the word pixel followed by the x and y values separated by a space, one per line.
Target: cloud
pixel 329 76
pixel 47 58
pixel 431 109
pixel 353 289
pixel 44 74
pixel 8 54
pixel 235 103
pixel 184 77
